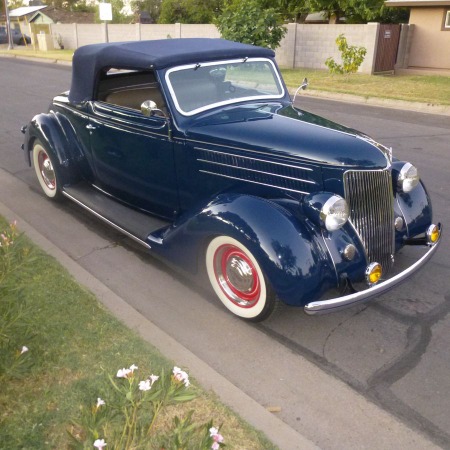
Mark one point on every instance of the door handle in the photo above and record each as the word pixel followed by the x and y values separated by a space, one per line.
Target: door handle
pixel 90 127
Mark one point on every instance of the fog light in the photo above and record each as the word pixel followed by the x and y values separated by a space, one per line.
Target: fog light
pixel 433 234
pixel 373 273
pixel 349 252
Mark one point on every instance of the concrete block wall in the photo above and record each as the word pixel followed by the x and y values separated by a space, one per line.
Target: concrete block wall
pixel 308 46
pixel 304 46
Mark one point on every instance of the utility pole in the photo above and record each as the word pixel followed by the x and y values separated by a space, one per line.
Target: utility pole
pixel 8 27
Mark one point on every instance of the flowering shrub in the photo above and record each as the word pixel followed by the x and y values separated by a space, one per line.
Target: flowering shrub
pixel 127 419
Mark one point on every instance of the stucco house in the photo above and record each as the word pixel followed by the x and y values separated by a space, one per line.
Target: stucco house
pixel 426 43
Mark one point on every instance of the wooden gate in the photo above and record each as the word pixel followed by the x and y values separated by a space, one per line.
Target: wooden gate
pixel 388 39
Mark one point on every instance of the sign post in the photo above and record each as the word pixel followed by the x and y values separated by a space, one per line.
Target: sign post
pixel 8 27
pixel 105 12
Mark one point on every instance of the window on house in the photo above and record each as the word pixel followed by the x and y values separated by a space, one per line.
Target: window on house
pixel 447 20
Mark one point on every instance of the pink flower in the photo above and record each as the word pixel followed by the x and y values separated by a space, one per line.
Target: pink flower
pixel 100 443
pixel 217 438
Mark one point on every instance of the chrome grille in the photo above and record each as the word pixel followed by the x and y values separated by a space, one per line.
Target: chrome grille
pixel 370 199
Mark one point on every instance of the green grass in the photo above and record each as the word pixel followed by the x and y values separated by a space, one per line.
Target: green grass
pixel 76 345
pixel 62 55
pixel 432 89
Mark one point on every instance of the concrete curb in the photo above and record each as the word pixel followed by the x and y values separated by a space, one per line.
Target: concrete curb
pixel 380 102
pixel 281 434
pixel 426 108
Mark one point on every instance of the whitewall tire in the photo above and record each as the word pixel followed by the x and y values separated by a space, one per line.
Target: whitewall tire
pixel 45 171
pixel 238 280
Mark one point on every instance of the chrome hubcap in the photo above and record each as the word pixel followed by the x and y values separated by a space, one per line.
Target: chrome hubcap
pixel 237 276
pixel 47 171
pixel 240 274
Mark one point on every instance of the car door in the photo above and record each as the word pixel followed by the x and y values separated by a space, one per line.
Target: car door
pixel 133 157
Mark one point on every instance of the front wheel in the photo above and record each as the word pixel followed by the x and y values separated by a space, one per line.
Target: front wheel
pixel 45 171
pixel 238 280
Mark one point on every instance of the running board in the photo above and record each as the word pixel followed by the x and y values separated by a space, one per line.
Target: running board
pixel 134 224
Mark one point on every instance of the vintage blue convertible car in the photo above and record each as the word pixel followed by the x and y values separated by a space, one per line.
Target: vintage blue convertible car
pixel 194 149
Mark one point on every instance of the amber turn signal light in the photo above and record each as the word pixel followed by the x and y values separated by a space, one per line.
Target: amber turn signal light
pixel 433 234
pixel 373 273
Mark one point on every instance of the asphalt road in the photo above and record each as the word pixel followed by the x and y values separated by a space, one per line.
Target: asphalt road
pixel 374 376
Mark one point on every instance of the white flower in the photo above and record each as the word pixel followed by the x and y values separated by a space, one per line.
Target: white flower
pixel 100 402
pixel 24 350
pixel 145 385
pixel 153 378
pixel 100 443
pixel 181 375
pixel 133 367
pixel 123 373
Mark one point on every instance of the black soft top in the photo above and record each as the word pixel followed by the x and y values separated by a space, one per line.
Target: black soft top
pixel 89 60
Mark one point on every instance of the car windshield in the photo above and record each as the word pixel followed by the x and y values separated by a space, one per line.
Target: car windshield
pixel 199 87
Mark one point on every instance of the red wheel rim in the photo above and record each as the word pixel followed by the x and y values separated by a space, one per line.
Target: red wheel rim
pixel 237 276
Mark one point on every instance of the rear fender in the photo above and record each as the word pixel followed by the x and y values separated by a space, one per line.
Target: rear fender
pixel 289 252
pixel 59 139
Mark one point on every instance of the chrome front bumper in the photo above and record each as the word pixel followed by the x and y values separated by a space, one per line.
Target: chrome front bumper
pixel 332 305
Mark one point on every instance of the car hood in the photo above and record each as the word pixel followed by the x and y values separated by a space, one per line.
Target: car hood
pixel 288 132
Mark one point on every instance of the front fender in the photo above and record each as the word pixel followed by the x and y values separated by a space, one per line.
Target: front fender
pixel 416 210
pixel 290 253
pixel 58 138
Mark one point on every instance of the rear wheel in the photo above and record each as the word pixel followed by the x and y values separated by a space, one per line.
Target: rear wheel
pixel 238 280
pixel 45 171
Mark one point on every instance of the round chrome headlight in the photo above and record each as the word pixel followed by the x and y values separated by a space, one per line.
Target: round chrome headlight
pixel 334 213
pixel 408 178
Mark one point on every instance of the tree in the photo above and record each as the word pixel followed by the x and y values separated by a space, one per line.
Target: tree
pixel 189 11
pixel 357 11
pixel 249 22
pixel 152 7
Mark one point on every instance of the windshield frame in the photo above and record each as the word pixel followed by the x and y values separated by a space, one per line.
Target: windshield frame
pixel 276 73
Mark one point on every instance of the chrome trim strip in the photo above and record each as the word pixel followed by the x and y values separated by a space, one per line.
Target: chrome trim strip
pixel 257 171
pixel 96 214
pixel 253 159
pixel 254 182
pixel 332 305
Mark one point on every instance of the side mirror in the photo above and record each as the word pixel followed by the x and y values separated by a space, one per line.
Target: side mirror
pixel 149 108
pixel 302 87
pixel 304 84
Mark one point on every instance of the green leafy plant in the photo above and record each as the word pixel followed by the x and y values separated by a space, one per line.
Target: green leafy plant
pixel 352 57
pixel 15 327
pixel 127 418
pixel 249 22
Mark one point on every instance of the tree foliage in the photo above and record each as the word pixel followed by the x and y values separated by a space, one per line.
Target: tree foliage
pixel 189 11
pixel 358 11
pixel 249 22
pixel 352 57
pixel 152 7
